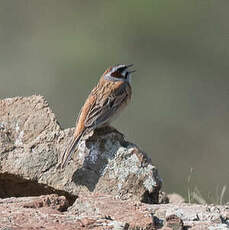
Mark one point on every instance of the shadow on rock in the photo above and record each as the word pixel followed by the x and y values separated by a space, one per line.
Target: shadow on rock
pixel 95 153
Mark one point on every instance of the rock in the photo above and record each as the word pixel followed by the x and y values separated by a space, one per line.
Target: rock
pixel 32 141
pixel 109 164
pixel 103 211
pixel 163 198
pixel 17 215
pixel 103 187
pixel 131 213
pixel 193 216
pixel 173 222
pixel 175 198
pixel 54 201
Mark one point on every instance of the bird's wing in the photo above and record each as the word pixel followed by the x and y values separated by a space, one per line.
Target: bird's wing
pixel 101 112
pixel 98 111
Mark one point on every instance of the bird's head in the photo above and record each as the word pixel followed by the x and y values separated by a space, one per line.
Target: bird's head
pixel 118 73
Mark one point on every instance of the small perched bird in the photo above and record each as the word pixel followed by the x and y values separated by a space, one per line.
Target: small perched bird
pixel 106 100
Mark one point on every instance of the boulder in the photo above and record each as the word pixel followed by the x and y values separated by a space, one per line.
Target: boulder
pixel 31 142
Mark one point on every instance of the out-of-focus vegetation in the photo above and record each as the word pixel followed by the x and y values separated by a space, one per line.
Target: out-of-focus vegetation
pixel 180 108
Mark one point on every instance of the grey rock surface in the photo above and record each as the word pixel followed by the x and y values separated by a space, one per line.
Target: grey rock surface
pixel 31 142
pixel 193 216
pixel 93 191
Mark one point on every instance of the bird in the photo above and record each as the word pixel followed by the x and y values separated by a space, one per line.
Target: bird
pixel 107 99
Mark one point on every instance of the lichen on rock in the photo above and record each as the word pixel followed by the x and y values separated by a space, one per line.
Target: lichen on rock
pixel 32 141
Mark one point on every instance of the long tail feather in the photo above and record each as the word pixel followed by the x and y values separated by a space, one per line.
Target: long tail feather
pixel 70 149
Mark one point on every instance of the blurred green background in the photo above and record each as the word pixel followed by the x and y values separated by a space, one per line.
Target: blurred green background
pixel 179 113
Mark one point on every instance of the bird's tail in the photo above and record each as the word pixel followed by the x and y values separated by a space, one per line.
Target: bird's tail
pixel 70 149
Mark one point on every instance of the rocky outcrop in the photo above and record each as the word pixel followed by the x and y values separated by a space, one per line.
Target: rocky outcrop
pixel 110 183
pixel 31 142
pixel 99 211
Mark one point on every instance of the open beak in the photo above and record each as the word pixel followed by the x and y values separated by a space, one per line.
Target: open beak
pixel 130 71
pixel 130 65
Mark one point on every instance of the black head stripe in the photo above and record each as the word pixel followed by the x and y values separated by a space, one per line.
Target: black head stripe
pixel 117 73
pixel 117 70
